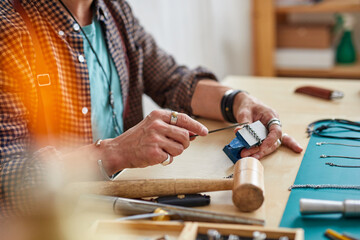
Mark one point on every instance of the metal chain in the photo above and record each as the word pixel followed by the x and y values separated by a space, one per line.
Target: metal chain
pixel 323 186
pixel 335 156
pixel 332 143
pixel 253 133
pixel 345 166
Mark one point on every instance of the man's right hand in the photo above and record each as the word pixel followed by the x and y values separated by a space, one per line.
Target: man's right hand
pixel 149 142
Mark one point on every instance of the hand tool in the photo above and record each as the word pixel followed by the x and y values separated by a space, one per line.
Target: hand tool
pixel 331 234
pixel 247 186
pixel 349 208
pixel 220 129
pixel 126 206
pixel 157 215
pixel 247 137
pixel 320 92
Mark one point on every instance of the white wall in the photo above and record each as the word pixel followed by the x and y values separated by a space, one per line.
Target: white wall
pixel 211 33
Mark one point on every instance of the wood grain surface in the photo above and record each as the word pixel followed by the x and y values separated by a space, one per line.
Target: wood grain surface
pixel 205 158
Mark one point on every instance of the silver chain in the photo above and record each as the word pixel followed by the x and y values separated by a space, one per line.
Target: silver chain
pixel 322 186
pixel 253 133
pixel 344 166
pixel 331 143
pixel 335 156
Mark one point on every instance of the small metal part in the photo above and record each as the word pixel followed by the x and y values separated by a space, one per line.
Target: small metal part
pixel 336 95
pixel 230 176
pixel 259 235
pixel 142 216
pixel 284 238
pixel 256 235
pixel 263 236
pixel 213 234
pixel 336 156
pixel 340 144
pixel 233 237
pixel 324 186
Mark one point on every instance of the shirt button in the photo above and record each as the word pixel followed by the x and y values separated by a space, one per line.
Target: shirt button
pixel 84 110
pixel 81 58
pixel 61 33
pixel 76 27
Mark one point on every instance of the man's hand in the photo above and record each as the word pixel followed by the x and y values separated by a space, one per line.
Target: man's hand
pixel 149 142
pixel 248 109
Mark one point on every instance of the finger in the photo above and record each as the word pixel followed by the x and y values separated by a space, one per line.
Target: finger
pixel 267 145
pixel 248 152
pixel 151 156
pixel 178 134
pixel 184 121
pixel 192 136
pixel 244 115
pixel 172 147
pixel 267 151
pixel 291 143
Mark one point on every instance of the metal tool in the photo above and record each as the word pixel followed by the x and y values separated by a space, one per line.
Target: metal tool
pixel 142 216
pixel 349 208
pixel 224 128
pixel 125 206
pixel 247 186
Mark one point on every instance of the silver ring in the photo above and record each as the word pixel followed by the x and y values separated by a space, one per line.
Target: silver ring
pixel 278 142
pixel 272 122
pixel 173 117
pixel 167 161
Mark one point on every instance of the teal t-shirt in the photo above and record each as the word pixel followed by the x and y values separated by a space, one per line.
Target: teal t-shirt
pixel 103 123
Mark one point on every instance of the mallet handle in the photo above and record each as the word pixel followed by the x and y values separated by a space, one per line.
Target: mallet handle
pixel 151 187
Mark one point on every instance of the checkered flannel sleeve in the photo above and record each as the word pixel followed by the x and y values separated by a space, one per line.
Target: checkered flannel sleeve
pixel 20 170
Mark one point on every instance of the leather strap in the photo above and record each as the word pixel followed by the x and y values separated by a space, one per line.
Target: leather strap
pixel 46 126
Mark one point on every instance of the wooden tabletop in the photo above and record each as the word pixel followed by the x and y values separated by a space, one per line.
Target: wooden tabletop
pixel 205 158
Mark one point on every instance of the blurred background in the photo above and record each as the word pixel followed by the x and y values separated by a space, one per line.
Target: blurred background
pixel 286 38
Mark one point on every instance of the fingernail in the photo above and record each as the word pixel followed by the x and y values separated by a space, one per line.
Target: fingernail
pixel 204 131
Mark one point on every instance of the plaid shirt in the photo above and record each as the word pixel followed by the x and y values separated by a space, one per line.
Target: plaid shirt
pixel 142 67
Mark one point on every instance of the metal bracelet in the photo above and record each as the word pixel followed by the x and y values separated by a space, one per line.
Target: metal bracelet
pixel 100 164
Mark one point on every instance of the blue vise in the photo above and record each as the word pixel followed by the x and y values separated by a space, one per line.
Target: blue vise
pixel 247 137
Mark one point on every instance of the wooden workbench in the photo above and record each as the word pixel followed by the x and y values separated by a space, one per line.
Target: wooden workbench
pixel 205 159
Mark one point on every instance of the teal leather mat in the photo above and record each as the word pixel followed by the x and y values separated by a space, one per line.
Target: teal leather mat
pixel 314 171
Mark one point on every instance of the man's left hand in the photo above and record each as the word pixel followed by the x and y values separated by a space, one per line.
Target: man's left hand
pixel 249 109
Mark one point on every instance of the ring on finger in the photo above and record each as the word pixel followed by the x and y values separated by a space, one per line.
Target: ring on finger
pixel 273 121
pixel 173 117
pixel 278 142
pixel 167 161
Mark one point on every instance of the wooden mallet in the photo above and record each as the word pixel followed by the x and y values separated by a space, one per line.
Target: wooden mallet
pixel 247 186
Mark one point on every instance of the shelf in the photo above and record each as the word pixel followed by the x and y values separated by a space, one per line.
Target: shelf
pixel 323 7
pixel 339 71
